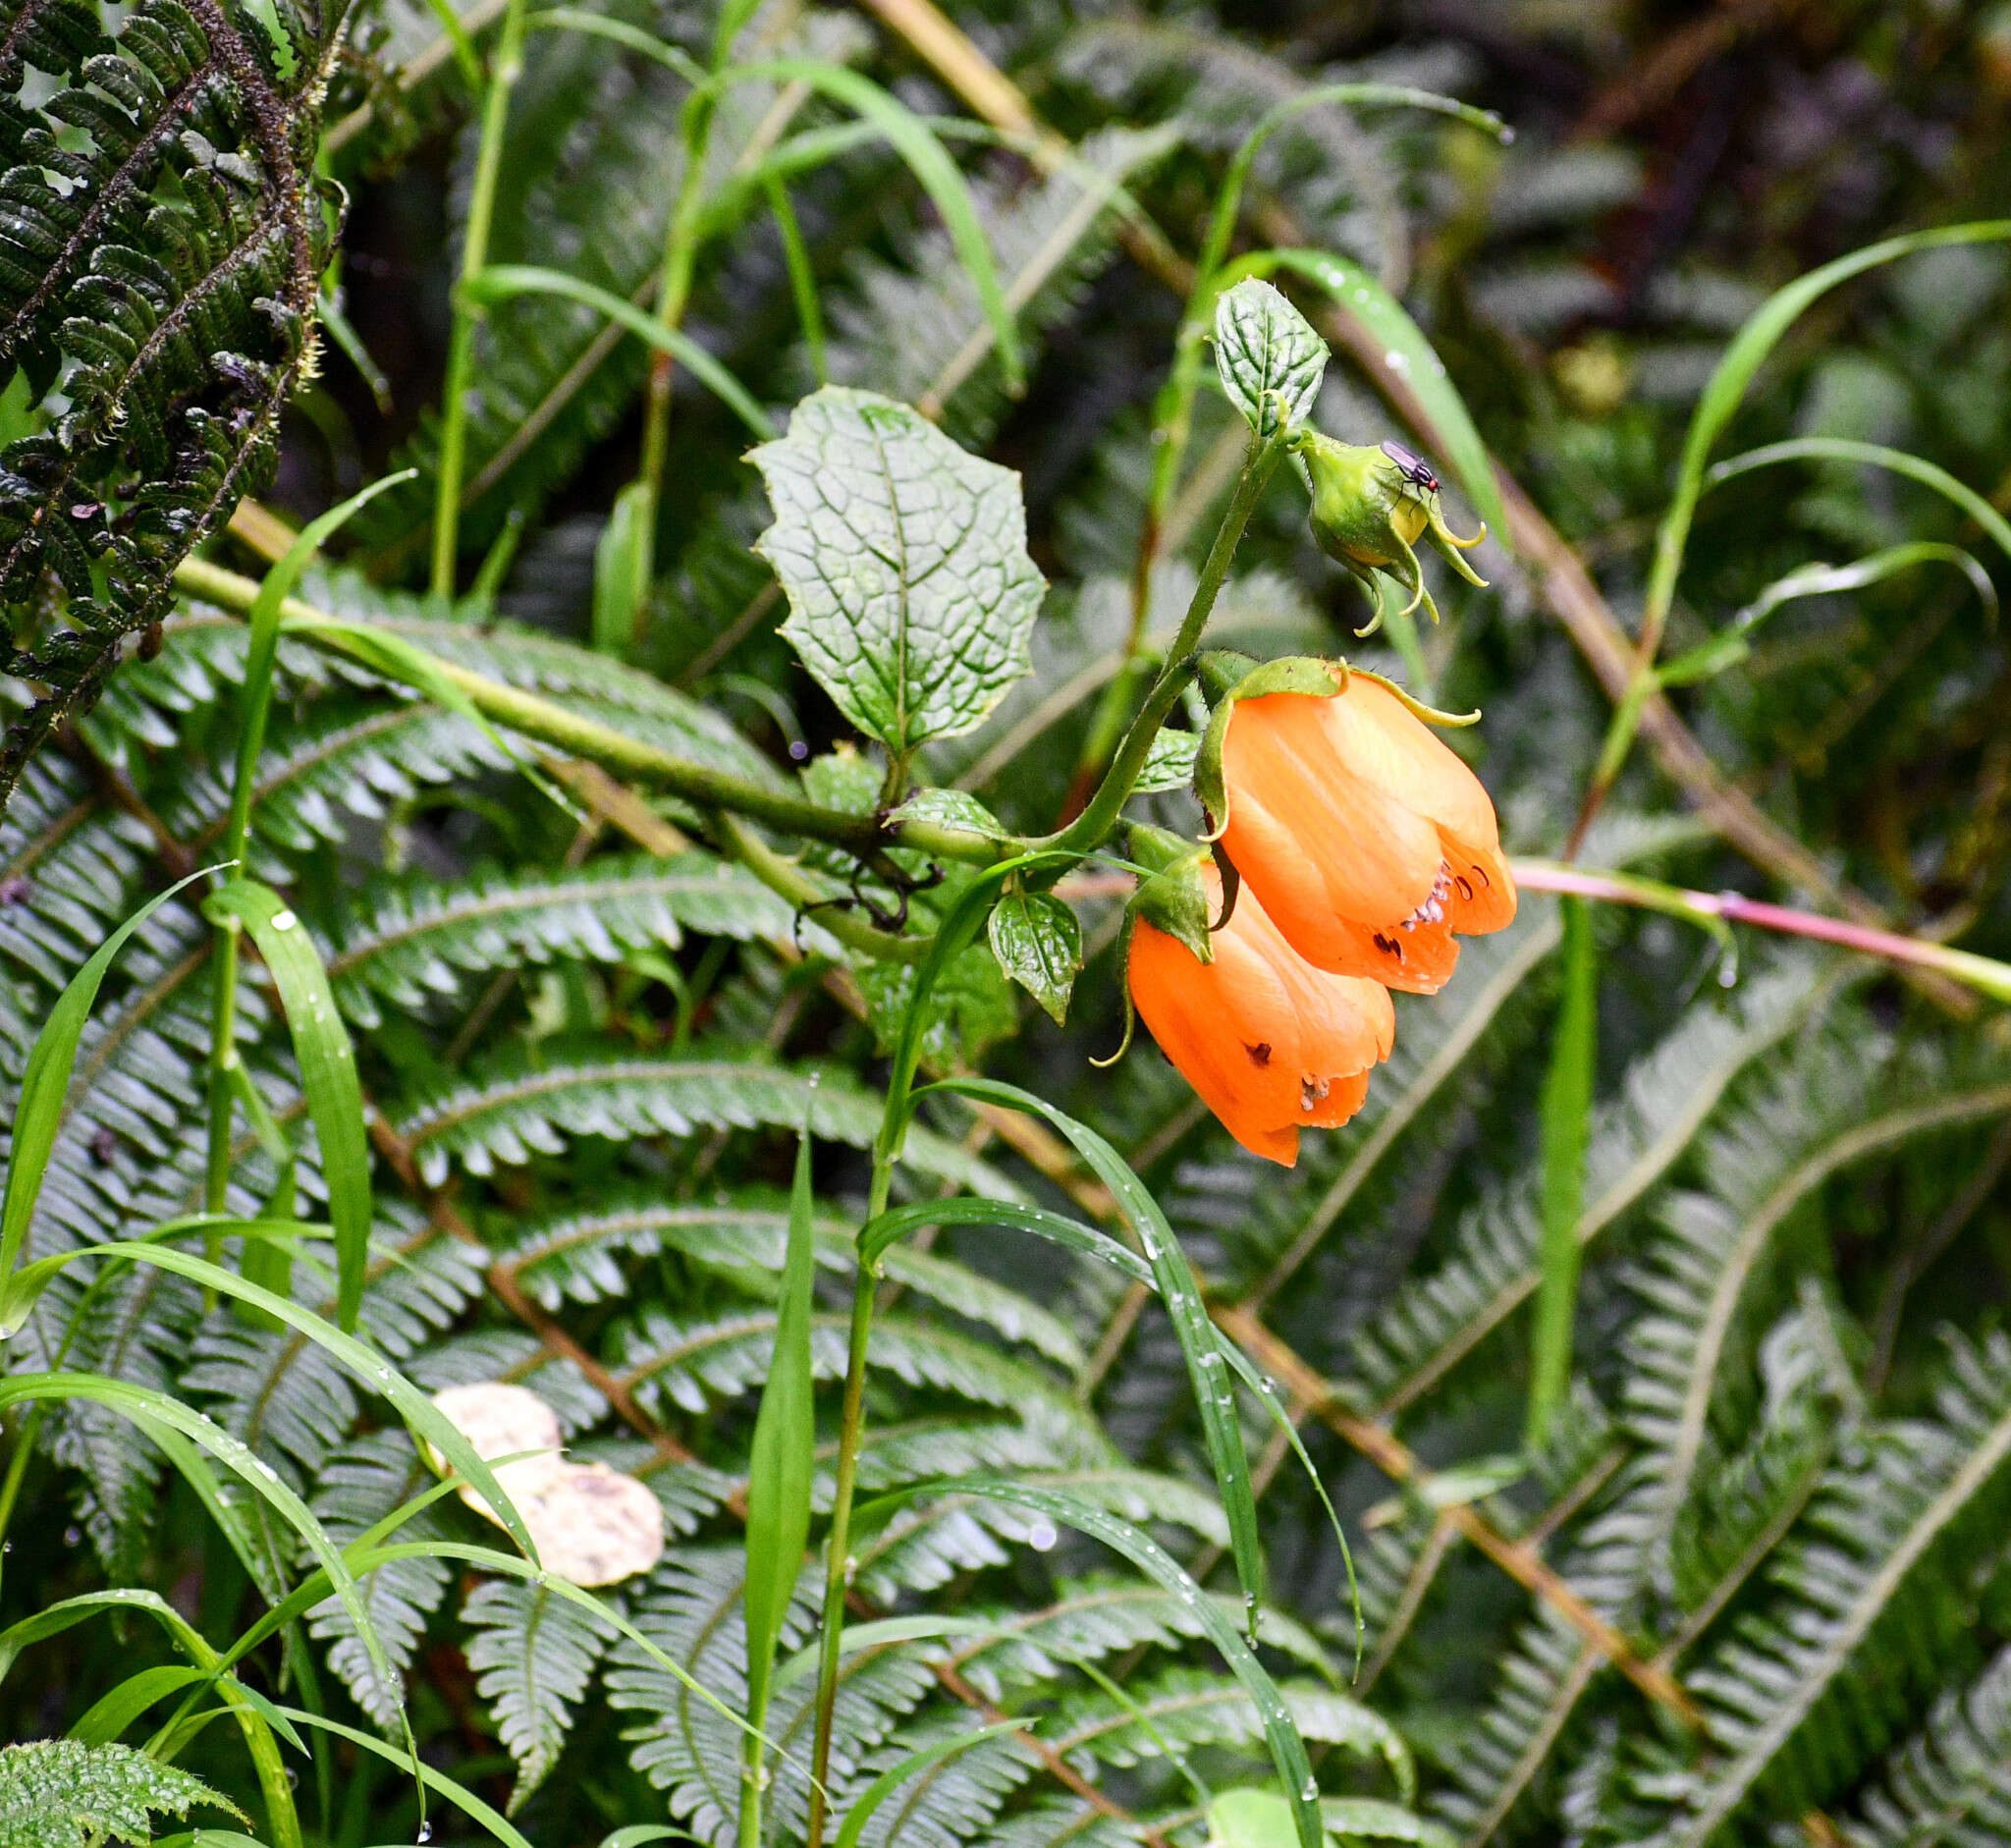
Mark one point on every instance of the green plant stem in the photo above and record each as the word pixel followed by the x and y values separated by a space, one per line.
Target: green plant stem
pixel 674 293
pixel 838 1569
pixel 578 737
pixel 1089 828
pixel 504 70
pixel 17 1465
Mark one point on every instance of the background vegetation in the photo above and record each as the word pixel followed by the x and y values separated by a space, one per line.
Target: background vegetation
pixel 1750 1584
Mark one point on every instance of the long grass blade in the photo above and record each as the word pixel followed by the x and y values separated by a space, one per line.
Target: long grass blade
pixel 1280 1730
pixel 1566 1114
pixel 1200 1346
pixel 328 1073
pixel 779 1481
pixel 45 1081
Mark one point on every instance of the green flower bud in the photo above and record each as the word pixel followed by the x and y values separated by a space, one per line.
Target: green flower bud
pixel 1370 505
pixel 1172 896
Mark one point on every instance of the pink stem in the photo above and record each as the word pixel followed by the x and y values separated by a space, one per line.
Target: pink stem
pixel 1981 972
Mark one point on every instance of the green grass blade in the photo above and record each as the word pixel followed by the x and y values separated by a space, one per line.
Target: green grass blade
pixel 499 281
pixel 929 161
pixel 1280 1730
pixel 45 1081
pixel 256 700
pixel 328 1073
pixel 1877 456
pixel 1566 1111
pixel 781 1466
pixel 1200 1347
pixel 889 1781
pixel 895 1223
pixel 1741 363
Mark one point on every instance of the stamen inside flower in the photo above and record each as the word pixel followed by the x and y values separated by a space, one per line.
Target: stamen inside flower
pixel 1432 910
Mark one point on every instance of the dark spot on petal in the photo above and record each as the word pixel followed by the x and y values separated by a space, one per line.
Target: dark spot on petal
pixel 1260 1054
pixel 1483 872
pixel 1389 946
pixel 1465 886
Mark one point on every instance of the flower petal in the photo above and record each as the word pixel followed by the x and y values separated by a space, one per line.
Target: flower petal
pixel 1382 739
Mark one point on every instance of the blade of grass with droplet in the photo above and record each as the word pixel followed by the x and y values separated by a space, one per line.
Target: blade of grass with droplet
pixel 1200 1348
pixel 1566 1112
pixel 780 1471
pixel 328 1073
pixel 1280 1730
pixel 45 1081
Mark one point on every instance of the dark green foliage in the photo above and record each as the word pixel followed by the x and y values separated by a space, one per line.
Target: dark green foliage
pixel 164 235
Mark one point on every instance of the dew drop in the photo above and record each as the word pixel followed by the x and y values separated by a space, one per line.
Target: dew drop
pixel 1310 1790
pixel 425 1834
pixel 1043 1537
pixel 283 921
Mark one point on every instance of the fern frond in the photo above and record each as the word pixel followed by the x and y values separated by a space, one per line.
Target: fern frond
pixel 410 940
pixel 533 1654
pixel 1188 1707
pixel 1951 1782
pixel 513 1108
pixel 1667 1097
pixel 1845 1097
pixel 1869 1604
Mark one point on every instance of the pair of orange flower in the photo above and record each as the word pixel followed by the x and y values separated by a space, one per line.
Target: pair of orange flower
pixel 1362 844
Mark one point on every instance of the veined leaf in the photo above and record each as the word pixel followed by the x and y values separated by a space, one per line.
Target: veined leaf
pixel 1270 360
pixel 1038 942
pixel 911 595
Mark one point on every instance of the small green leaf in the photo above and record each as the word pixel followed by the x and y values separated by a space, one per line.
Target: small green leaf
pixel 614 573
pixel 1270 360
pixel 1038 942
pixel 328 1072
pixel 912 594
pixel 1170 764
pixel 781 1466
pixel 952 808
pixel 60 1793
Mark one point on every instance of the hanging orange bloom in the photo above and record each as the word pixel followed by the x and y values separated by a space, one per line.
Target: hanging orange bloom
pixel 1273 1045
pixel 1365 838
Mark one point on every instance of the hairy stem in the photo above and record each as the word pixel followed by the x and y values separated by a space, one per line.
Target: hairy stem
pixel 1100 814
pixel 504 70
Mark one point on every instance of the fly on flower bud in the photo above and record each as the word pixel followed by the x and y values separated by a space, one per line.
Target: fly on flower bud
pixel 1370 505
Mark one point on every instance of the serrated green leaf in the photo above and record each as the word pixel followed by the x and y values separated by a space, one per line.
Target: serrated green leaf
pixel 1038 942
pixel 1269 359
pixel 1170 764
pixel 912 594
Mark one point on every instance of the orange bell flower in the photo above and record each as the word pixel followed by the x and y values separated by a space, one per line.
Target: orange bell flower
pixel 1271 1044
pixel 1365 838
